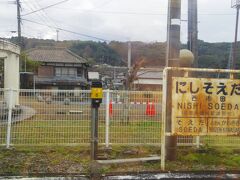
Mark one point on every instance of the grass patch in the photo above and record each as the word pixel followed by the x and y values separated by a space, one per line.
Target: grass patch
pixel 37 160
pixel 209 158
pixel 23 161
pixel 37 132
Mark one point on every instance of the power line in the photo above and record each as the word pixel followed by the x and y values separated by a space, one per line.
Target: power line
pixel 45 7
pixel 39 14
pixel 46 19
pixel 42 14
pixel 43 19
pixel 112 12
pixel 69 31
pixel 140 13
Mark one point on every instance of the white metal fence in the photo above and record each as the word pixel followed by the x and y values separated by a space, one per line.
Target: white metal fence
pixel 60 117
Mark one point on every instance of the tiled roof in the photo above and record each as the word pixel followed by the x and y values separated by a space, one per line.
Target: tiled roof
pixel 54 55
pixel 149 81
pixel 150 73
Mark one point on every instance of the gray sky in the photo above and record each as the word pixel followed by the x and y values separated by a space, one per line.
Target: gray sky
pixel 123 20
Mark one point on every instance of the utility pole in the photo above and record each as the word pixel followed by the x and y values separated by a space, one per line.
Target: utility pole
pixel 19 39
pixel 129 65
pixel 114 73
pixel 193 29
pixel 173 33
pixel 172 60
pixel 234 60
pixel 129 55
pixel 57 35
pixel 19 23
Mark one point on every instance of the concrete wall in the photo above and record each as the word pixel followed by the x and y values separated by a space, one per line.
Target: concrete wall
pixel 11 75
pixel 10 54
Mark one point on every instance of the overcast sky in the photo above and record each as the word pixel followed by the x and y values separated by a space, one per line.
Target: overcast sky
pixel 123 20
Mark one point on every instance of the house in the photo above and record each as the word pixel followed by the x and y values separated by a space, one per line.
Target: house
pixel 107 82
pixel 119 80
pixel 149 79
pixel 59 69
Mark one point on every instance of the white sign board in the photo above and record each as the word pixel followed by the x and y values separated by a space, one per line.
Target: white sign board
pixel 93 75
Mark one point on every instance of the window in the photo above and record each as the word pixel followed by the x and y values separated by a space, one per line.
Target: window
pixel 79 72
pixel 58 71
pixel 63 71
pixel 72 71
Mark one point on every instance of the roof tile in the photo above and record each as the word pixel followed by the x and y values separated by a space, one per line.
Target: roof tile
pixel 54 55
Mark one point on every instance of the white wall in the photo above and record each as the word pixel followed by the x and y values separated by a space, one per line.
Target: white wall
pixel 10 53
pixel 11 75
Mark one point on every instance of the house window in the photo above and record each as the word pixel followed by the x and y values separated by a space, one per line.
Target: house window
pixel 72 71
pixel 58 72
pixel 63 71
pixel 79 72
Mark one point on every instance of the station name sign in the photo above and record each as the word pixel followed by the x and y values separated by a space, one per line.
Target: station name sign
pixel 202 106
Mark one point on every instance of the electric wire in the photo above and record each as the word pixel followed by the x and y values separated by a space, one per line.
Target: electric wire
pixel 52 5
pixel 46 18
pixel 139 13
pixel 53 26
pixel 69 31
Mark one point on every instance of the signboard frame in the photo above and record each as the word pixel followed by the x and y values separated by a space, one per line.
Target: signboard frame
pixel 182 72
pixel 185 74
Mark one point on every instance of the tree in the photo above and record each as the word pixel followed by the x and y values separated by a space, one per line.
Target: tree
pixel 100 52
pixel 28 64
pixel 133 72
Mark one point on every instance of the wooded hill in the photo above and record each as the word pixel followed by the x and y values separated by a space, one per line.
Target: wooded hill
pixel 211 55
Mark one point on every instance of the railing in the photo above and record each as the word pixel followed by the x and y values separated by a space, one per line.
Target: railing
pixel 58 117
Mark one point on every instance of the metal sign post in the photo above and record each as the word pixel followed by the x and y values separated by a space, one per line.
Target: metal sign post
pixel 96 96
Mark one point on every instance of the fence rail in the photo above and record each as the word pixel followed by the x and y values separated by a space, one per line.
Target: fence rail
pixel 60 117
